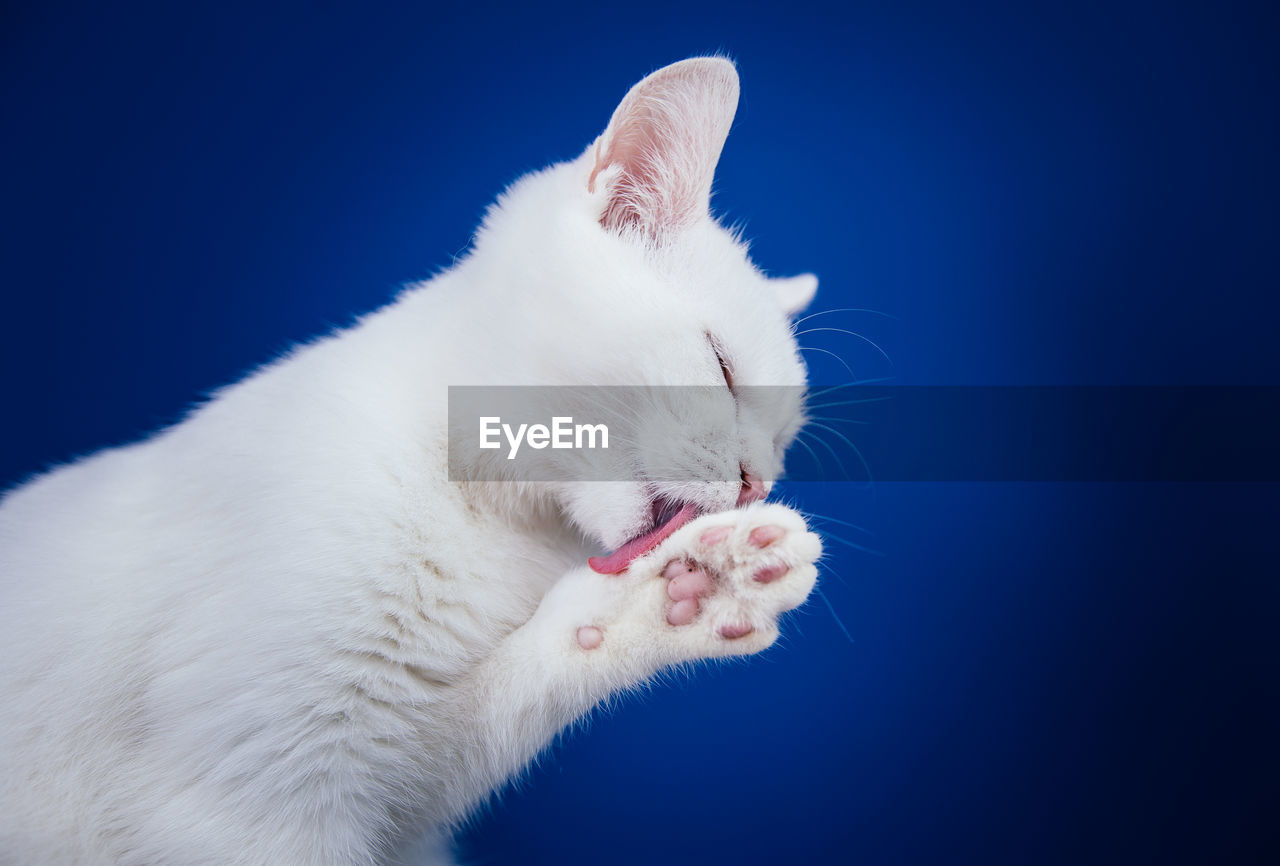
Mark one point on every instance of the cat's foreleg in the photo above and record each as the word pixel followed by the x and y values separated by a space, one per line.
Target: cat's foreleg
pixel 714 588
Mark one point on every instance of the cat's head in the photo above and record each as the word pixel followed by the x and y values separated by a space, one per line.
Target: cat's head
pixel 624 278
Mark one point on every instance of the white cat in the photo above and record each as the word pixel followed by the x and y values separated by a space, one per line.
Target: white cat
pixel 277 633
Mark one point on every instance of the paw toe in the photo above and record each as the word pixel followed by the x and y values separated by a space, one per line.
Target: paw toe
pixel 715 535
pixel 690 584
pixel 675 568
pixel 683 612
pixel 763 536
pixel 734 630
pixel 770 573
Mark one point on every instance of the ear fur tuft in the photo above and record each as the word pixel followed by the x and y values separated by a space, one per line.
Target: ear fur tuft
pixel 794 293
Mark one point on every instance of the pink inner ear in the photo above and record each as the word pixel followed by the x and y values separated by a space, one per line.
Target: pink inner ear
pixel 665 139
pixel 654 187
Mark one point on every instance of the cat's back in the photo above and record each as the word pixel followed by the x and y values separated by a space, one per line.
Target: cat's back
pixel 178 614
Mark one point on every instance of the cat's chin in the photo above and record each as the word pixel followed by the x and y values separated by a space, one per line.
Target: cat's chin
pixel 668 516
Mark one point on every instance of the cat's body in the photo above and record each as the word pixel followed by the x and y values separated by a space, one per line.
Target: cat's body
pixel 276 633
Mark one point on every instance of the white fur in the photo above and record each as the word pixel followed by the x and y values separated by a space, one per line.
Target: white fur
pixel 275 633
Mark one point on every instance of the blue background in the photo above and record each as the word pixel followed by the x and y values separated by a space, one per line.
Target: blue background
pixel 1047 194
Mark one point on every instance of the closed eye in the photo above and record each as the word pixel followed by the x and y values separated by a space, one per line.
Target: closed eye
pixel 726 369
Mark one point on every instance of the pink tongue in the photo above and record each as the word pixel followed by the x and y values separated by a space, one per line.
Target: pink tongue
pixel 617 562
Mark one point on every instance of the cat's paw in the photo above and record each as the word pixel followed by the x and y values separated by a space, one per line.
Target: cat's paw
pixel 714 588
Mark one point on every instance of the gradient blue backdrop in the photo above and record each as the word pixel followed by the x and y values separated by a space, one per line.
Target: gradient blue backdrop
pixel 1039 194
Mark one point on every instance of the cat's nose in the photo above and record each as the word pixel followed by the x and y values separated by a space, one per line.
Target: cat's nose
pixel 752 488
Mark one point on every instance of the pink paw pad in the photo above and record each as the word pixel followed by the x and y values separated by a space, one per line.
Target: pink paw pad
pixel 675 568
pixel 715 536
pixel 770 573
pixel 683 612
pixel 763 536
pixel 690 584
pixel 590 637
pixel 686 583
pixel 734 630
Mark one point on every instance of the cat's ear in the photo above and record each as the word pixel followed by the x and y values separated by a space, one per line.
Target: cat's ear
pixel 794 293
pixel 655 161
